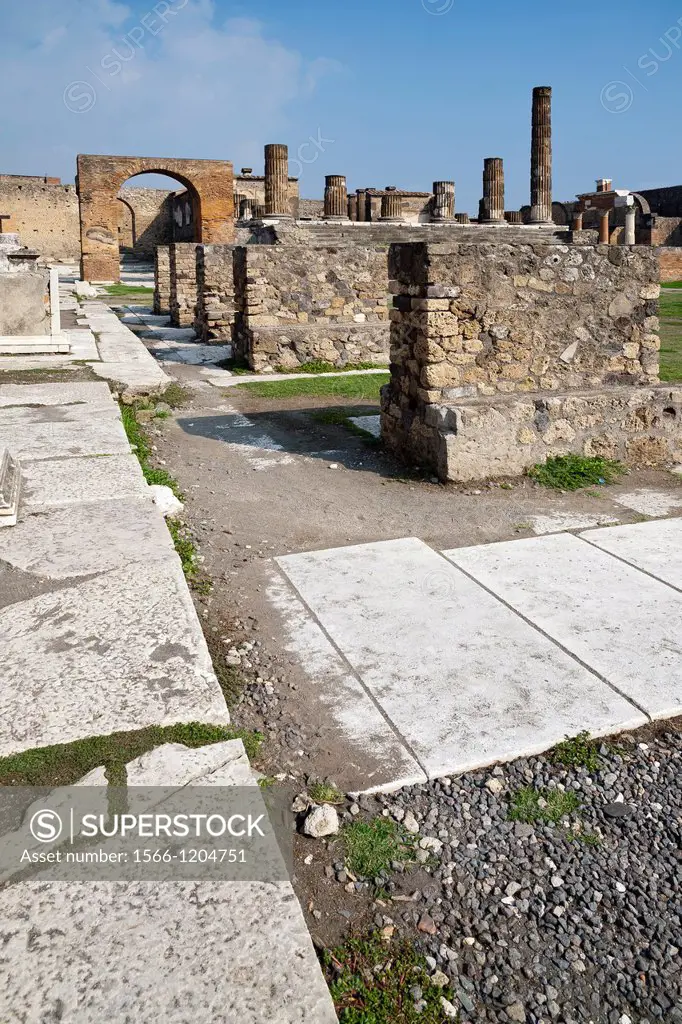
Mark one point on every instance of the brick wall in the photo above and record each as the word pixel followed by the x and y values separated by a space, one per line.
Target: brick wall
pixel 215 293
pixel 671 264
pixel 183 283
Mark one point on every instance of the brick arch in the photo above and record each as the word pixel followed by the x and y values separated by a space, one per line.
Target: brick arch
pixel 210 184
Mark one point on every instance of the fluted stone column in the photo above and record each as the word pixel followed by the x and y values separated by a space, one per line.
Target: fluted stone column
pixel 493 191
pixel 259 211
pixel 353 207
pixel 362 204
pixel 604 233
pixel 443 200
pixel 513 217
pixel 630 225
pixel 541 157
pixel 238 200
pixel 277 181
pixel 245 210
pixel 462 218
pixel 391 207
pixel 335 197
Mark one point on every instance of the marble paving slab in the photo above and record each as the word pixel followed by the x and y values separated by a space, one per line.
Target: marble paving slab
pixel 463 679
pixel 654 547
pixel 620 622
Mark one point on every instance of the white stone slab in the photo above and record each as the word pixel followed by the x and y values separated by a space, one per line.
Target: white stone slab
pixel 119 651
pixel 372 424
pixel 54 394
pixel 558 522
pixel 85 539
pixel 140 376
pixel 464 680
pixel 70 436
pixel 651 503
pixel 623 624
pixel 59 482
pixel 654 547
pixel 335 686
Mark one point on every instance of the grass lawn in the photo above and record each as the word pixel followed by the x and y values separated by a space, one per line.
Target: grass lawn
pixel 128 289
pixel 364 387
pixel 671 336
pixel 672 284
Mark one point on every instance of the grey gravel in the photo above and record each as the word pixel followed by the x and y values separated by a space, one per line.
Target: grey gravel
pixel 533 922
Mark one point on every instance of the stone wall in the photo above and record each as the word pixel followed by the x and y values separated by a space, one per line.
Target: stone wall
pixel 665 201
pixel 45 215
pixel 150 210
pixel 303 303
pixel 162 280
pixel 183 283
pixel 313 208
pixel 493 343
pixel 215 293
pixel 24 291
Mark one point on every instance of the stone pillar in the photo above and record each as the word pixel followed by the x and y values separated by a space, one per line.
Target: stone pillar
pixel 604 234
pixel 513 217
pixel 259 211
pixel 462 218
pixel 162 276
pixel 245 211
pixel 335 197
pixel 493 191
pixel 541 157
pixel 630 225
pixel 391 207
pixel 362 204
pixel 443 200
pixel 578 220
pixel 277 181
pixel 353 207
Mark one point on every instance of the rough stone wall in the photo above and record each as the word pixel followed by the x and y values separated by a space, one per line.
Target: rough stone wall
pixel 183 283
pixel 671 264
pixel 665 231
pixel 151 213
pixel 45 215
pixel 505 352
pixel 162 280
pixel 313 208
pixel 215 293
pixel 303 303
pixel 24 292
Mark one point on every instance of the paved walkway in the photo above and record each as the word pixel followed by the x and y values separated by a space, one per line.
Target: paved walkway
pixel 452 661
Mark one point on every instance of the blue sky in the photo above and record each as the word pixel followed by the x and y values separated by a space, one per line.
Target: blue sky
pixel 395 92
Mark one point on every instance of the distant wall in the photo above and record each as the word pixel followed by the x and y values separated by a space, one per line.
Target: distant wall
pixel 665 201
pixel 671 264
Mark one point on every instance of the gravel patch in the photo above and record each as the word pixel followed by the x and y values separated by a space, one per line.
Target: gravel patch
pixel 569 922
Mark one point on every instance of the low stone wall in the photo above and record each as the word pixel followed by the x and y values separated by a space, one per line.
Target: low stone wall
pixel 303 303
pixel 503 353
pixel 162 285
pixel 183 283
pixel 215 294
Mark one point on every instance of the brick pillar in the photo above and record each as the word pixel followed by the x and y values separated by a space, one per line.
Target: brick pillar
pixel 277 181
pixel 245 210
pixel 513 217
pixel 162 280
pixel 462 218
pixel 604 234
pixel 443 200
pixel 391 207
pixel 335 197
pixel 578 220
pixel 493 191
pixel 353 207
pixel 541 157
pixel 362 204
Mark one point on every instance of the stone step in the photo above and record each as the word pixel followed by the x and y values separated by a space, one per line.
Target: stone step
pixel 10 488
pixel 34 345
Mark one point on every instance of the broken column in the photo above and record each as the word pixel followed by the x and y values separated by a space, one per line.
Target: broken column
pixel 362 204
pixel 513 217
pixel 462 218
pixel 541 157
pixel 391 205
pixel 353 207
pixel 277 181
pixel 493 191
pixel 335 197
pixel 443 200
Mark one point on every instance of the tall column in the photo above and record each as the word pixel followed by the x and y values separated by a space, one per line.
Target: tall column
pixel 493 191
pixel 335 197
pixel 362 204
pixel 604 234
pixel 630 225
pixel 353 207
pixel 391 206
pixel 443 200
pixel 277 181
pixel 541 157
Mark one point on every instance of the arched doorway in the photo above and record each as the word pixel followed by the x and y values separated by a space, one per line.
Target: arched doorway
pixel 210 188
pixel 126 225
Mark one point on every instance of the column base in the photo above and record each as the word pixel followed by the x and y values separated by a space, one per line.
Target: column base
pixel 391 220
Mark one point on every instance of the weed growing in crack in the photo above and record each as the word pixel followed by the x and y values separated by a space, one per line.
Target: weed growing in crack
pixel 547 806
pixel 571 472
pixel 371 846
pixel 577 752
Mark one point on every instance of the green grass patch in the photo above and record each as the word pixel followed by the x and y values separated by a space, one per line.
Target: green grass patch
pixel 140 445
pixel 671 284
pixel 372 982
pixel 324 793
pixel 65 763
pixel 320 366
pixel 136 290
pixel 364 387
pixel 577 752
pixel 671 349
pixel 371 846
pixel 229 678
pixel 542 805
pixel 571 472
pixel 174 395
